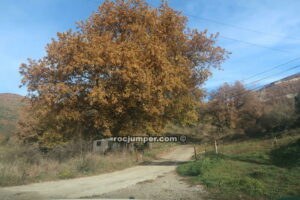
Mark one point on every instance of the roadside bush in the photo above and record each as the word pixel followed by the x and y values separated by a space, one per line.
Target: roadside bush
pixel 273 122
pixel 66 173
pixel 190 169
pixel 87 164
pixel 70 150
pixel 10 179
pixel 28 154
pixel 278 119
pixel 201 166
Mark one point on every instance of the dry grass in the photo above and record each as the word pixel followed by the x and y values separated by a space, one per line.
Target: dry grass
pixel 20 172
pixel 22 165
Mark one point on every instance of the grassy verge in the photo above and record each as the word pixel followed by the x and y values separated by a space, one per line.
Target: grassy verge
pixel 22 166
pixel 249 170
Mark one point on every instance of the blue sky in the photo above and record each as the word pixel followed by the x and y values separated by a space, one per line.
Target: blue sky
pixel 26 26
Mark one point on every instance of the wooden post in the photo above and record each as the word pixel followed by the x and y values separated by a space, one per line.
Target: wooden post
pixel 195 153
pixel 216 147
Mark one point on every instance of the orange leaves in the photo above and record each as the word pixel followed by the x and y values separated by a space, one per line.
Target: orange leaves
pixel 129 69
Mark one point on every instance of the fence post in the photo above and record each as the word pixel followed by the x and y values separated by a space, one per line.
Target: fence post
pixel 195 153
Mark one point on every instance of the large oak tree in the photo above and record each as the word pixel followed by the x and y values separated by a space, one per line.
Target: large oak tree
pixel 127 70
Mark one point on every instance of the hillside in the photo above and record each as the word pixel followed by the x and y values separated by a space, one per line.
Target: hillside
pixel 10 105
pixel 287 88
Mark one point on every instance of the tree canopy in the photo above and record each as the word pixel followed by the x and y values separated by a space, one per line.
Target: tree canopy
pixel 233 107
pixel 129 69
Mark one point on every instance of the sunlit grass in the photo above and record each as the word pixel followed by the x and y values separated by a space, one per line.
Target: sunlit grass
pixel 245 170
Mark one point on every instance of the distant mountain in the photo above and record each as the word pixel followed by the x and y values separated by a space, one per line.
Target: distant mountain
pixel 286 88
pixel 10 105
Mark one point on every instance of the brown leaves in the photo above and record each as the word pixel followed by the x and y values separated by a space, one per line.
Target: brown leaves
pixel 133 66
pixel 233 106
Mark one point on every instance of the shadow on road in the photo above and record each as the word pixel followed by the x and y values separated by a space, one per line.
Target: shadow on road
pixel 162 163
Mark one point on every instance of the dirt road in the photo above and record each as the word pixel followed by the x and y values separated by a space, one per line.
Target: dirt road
pixel 100 184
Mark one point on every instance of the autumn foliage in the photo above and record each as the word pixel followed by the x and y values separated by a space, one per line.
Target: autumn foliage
pixel 234 107
pixel 127 70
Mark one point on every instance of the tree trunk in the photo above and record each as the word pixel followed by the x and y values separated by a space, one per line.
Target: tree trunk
pixel 216 147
